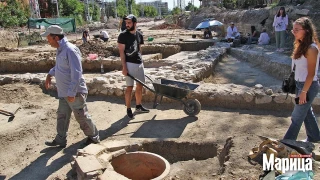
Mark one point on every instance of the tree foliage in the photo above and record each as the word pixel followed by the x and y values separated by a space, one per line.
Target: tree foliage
pixel 191 7
pixel 13 13
pixel 175 11
pixel 231 4
pixel 71 7
pixel 150 11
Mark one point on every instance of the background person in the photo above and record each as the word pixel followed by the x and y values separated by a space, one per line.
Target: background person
pixel 85 36
pixel 254 37
pixel 104 36
pixel 264 38
pixel 71 87
pixel 207 34
pixel 129 43
pixel 122 24
pixel 280 24
pixel 232 33
pixel 305 57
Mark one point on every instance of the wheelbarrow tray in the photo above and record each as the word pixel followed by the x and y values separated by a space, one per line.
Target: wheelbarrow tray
pixel 174 89
pixel 96 35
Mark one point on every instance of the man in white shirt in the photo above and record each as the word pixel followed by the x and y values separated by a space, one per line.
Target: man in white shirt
pixel 232 33
pixel 264 38
pixel 104 35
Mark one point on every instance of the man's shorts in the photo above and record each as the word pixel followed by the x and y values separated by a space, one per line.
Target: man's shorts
pixel 135 70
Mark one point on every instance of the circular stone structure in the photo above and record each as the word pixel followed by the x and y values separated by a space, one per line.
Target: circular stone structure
pixel 141 165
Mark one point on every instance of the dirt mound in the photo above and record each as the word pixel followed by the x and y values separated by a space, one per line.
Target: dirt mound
pixel 165 26
pixel 112 23
pixel 95 47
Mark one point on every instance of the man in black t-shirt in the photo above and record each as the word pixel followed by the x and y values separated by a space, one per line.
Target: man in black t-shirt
pixel 129 43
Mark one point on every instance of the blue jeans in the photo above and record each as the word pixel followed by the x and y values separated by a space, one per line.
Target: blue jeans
pixel 304 113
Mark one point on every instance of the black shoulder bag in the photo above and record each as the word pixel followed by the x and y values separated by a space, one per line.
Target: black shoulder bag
pixel 289 84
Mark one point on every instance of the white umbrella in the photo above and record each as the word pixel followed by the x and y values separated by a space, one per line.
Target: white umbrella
pixel 209 23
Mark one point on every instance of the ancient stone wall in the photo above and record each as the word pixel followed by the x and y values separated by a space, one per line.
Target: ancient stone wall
pixel 9 39
pixel 165 50
pixel 260 18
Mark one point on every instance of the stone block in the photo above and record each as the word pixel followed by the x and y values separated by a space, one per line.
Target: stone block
pixel 303 12
pixel 119 92
pixel 110 174
pixel 106 157
pixel 263 99
pixel 247 96
pixel 94 149
pixel 100 80
pixel 93 174
pixel 258 86
pixel 87 164
pixel 282 99
pixel 36 80
pixel 269 92
pixel 117 144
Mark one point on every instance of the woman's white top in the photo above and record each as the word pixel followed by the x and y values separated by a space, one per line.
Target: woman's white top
pixel 280 23
pixel 301 70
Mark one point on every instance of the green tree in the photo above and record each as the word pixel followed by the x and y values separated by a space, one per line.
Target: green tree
pixel 13 14
pixel 150 11
pixel 175 11
pixel 95 12
pixel 71 7
pixel 191 7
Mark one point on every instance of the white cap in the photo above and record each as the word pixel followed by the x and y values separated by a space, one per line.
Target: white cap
pixel 53 29
pixel 231 23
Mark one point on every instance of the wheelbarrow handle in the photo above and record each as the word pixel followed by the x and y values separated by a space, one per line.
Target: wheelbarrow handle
pixel 143 84
pixel 149 78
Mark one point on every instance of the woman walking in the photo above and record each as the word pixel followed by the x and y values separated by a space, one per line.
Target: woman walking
pixel 305 58
pixel 280 24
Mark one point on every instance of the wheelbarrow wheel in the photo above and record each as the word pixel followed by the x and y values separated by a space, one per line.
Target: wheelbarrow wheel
pixel 192 107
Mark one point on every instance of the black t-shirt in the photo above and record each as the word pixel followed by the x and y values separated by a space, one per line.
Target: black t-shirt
pixel 132 49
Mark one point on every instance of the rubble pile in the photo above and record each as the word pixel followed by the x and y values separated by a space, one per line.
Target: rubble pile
pixel 95 47
pixel 165 26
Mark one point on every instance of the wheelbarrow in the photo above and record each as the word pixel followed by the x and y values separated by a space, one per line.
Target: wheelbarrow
pixel 174 90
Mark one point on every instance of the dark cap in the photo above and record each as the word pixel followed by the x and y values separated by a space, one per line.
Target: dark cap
pixel 132 17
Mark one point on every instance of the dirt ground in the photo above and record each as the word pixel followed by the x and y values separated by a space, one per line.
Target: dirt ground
pixel 24 156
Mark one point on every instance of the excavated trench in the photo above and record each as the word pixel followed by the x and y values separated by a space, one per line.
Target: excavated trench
pixel 35 61
pixel 174 152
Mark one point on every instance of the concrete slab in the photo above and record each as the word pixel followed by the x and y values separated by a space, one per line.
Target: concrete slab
pixel 94 149
pixel 87 164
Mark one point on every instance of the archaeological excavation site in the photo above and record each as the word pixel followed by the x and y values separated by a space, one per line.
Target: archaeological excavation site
pixel 210 102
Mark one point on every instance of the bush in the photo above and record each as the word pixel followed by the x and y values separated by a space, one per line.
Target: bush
pixel 13 14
